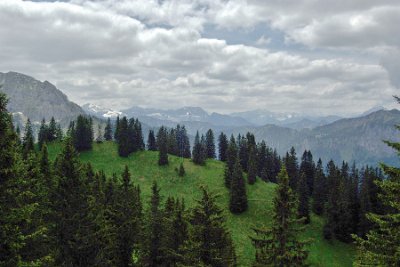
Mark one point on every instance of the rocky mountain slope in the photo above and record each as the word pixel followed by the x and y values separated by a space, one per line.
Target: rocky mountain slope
pixel 30 98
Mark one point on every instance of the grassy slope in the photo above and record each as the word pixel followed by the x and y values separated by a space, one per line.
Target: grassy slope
pixel 144 169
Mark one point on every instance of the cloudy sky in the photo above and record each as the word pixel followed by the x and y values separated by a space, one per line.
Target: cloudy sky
pixel 310 56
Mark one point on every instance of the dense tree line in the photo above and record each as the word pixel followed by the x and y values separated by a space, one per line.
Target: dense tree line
pixel 66 214
pixel 49 132
pixel 129 136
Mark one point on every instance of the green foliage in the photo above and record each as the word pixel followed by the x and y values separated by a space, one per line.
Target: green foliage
pixel 382 244
pixel 238 194
pixel 151 141
pixel 108 134
pixel 144 168
pixel 199 150
pixel 82 133
pixel 162 146
pixel 304 199
pixel 320 190
pixel 210 144
pixel 210 242
pixel 28 141
pixel 279 245
pixel 252 165
pixel 222 146
pixel 181 172
pixel 231 158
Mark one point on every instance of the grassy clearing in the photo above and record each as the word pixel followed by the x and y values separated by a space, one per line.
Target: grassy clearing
pixel 144 169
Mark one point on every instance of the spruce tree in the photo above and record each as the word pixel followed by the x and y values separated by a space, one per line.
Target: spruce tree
pixel 243 152
pixel 382 244
pixel 82 133
pixel 151 141
pixel 210 144
pixel 53 133
pixel 292 168
pixel 43 134
pixel 16 195
pixel 279 245
pixel 332 209
pixel 304 203
pixel 108 131
pixel 252 165
pixel 74 240
pixel 116 131
pixel 198 152
pixel 238 195
pixel 231 157
pixel 128 219
pixel 210 242
pixel 28 141
pixel 153 255
pixel 123 138
pixel 263 166
pixel 222 146
pixel 320 190
pixel 162 146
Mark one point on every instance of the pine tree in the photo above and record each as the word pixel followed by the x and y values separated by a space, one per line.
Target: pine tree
pixel 28 141
pixel 128 220
pixel 332 209
pixel 222 146
pixel 82 133
pixel 16 195
pixel 382 244
pixel 238 195
pixel 74 240
pixel 210 144
pixel 53 133
pixel 292 167
pixel 210 243
pixel 307 167
pixel 231 157
pixel 198 152
pixel 263 165
pixel 123 138
pixel 304 201
pixel 154 231
pixel 43 134
pixel 279 245
pixel 252 165
pixel 162 146
pixel 151 141
pixel 243 152
pixel 116 131
pixel 320 190
pixel 108 131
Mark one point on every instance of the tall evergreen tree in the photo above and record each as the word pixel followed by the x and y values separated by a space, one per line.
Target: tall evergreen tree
pixel 74 241
pixel 231 157
pixel 307 167
pixel 243 152
pixel 222 146
pixel 154 232
pixel 116 131
pixel 82 133
pixel 262 164
pixel 210 242
pixel 279 245
pixel 53 133
pixel 43 134
pixel 124 147
pixel 16 195
pixel 332 208
pixel 320 190
pixel 128 218
pixel 292 168
pixel 151 141
pixel 210 144
pixel 108 131
pixel 304 200
pixel 382 244
pixel 28 140
pixel 252 165
pixel 238 195
pixel 198 151
pixel 162 146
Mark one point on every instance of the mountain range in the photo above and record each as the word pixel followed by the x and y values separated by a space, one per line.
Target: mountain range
pixel 356 139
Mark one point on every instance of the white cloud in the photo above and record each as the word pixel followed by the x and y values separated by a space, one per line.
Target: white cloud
pixel 151 53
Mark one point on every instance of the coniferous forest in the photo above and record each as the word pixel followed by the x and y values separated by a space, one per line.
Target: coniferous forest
pixel 58 208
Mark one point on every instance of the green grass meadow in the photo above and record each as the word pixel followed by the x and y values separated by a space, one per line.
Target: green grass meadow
pixel 144 170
